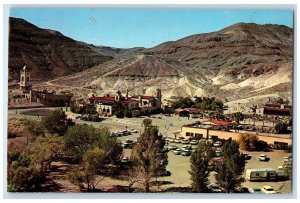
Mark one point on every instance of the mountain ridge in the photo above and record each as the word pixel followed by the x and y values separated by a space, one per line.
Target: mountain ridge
pixel 47 52
pixel 233 63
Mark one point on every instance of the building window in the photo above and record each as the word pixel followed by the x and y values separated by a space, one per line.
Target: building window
pixel 27 79
pixel 256 174
pixel 198 135
pixel 189 134
pixel 22 78
pixel 107 110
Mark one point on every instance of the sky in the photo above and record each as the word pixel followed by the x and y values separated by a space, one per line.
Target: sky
pixel 126 28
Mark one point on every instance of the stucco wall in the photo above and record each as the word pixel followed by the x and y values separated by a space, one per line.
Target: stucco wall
pixel 234 135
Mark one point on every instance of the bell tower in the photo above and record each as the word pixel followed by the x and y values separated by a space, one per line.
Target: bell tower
pixel 25 79
pixel 158 98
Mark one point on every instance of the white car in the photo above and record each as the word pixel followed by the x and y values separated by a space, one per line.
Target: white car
pixel 194 142
pixel 172 147
pixel 177 151
pixel 133 131
pixel 185 142
pixel 263 157
pixel 268 189
pixel 177 140
pixel 186 147
pixel 217 144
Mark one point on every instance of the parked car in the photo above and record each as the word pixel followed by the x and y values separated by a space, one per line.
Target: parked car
pixel 186 152
pixel 172 147
pixel 177 140
pixel 247 156
pixel 185 142
pixel 210 141
pixel 287 159
pixel 125 160
pixel 127 144
pixel 217 144
pixel 243 190
pixel 194 142
pixel 172 140
pixel 263 157
pixel 218 153
pixel 177 151
pixel 164 173
pixel 215 188
pixel 133 131
pixel 268 189
pixel 255 190
pixel 187 147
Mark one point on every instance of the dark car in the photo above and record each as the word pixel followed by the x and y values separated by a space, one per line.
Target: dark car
pixel 165 173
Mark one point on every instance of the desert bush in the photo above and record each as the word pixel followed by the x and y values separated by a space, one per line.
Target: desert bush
pixel 16 128
pixel 281 128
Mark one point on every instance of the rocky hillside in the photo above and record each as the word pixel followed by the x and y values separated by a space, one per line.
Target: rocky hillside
pixel 241 64
pixel 48 53
pixel 115 52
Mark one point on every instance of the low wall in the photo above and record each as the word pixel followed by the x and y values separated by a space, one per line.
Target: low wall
pixel 207 133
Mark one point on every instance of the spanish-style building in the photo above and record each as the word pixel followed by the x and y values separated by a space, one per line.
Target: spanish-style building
pixel 107 105
pixel 275 109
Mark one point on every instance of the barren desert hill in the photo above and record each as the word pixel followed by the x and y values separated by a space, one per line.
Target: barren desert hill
pixel 241 61
pixel 48 53
pixel 113 51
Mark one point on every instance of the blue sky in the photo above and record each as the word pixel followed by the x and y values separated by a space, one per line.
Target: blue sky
pixel 127 28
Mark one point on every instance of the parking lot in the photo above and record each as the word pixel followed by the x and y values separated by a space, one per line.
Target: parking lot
pixel 179 166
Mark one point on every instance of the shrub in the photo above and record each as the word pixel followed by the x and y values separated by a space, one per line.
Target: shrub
pixel 281 128
pixel 120 114
pixel 128 114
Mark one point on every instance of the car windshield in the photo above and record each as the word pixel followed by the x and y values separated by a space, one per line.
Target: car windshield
pixel 256 189
pixel 269 189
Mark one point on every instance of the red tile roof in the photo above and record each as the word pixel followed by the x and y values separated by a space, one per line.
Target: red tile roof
pixel 143 97
pixel 278 105
pixel 219 122
pixel 102 98
pixel 277 109
pixel 128 101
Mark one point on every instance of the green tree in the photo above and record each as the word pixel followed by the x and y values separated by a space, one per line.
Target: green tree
pixel 57 122
pixel 120 114
pixel 238 117
pixel 229 173
pixel 136 113
pixel 45 150
pixel 22 173
pixel 281 127
pixel 147 122
pixel 199 166
pixel 148 154
pixel 128 113
pixel 33 129
pixel 79 138
pixel 93 161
